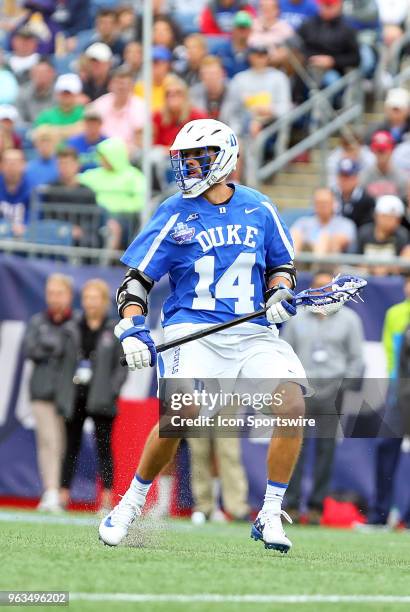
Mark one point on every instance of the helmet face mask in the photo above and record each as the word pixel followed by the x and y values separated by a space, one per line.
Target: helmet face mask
pixel 204 153
pixel 192 166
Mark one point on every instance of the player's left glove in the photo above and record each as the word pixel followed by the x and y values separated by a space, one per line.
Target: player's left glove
pixel 139 348
pixel 281 304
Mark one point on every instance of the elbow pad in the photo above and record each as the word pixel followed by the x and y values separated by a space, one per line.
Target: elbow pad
pixel 287 271
pixel 134 290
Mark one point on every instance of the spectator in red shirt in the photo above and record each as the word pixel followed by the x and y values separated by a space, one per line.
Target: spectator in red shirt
pixel 217 17
pixel 177 111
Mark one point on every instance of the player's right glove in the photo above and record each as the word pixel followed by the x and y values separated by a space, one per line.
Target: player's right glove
pixel 138 346
pixel 281 304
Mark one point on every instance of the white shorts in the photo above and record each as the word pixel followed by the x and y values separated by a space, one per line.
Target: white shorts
pixel 247 352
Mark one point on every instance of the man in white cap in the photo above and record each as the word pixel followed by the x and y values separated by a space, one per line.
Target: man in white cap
pixel 397 114
pixel 66 116
pixel 385 237
pixel 99 65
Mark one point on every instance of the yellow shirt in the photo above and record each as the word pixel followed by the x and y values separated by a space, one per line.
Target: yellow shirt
pixel 158 95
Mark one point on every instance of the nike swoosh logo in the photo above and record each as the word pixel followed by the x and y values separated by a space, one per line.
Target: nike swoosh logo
pixel 250 210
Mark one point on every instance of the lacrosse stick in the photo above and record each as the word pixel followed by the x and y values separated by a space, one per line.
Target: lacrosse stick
pixel 325 300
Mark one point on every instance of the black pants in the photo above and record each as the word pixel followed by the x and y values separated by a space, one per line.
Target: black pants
pixel 74 429
pixel 324 451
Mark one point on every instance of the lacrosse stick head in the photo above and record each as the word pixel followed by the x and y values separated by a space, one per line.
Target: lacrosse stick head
pixel 330 298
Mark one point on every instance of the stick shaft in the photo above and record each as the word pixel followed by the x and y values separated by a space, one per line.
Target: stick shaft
pixel 210 330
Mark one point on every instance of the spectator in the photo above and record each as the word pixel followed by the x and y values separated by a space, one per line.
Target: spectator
pixel 352 147
pixel 161 64
pixel 119 189
pixel 363 16
pixel 98 376
pixel 165 33
pixel 393 17
pixel 382 178
pixel 397 115
pixel 14 191
pixel 218 16
pixel 295 12
pixel 73 17
pixel 401 158
pixel 160 9
pixel 227 455
pixel 176 113
pixel 234 51
pixel 352 200
pixel 43 168
pixel 388 449
pixel 66 116
pixel 270 31
pixel 257 96
pixel 8 119
pixel 24 55
pixel 86 143
pixel 323 232
pixel 123 113
pixel 331 360
pixel 99 65
pixel 48 334
pixel 65 193
pixel 39 20
pixel 329 44
pixel 67 189
pixel 106 31
pixel 127 22
pixel 36 95
pixel 9 88
pixel 196 50
pixel 210 93
pixel 133 59
pixel 385 237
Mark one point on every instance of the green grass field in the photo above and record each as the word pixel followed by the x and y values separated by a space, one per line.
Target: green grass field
pixel 39 552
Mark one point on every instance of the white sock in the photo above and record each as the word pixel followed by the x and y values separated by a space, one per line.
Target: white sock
pixel 140 489
pixel 164 492
pixel 275 492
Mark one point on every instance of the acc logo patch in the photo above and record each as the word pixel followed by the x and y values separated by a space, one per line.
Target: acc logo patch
pixel 182 233
pixel 192 217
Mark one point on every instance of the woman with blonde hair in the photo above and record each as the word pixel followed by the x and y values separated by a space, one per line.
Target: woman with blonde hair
pixel 97 376
pixel 177 111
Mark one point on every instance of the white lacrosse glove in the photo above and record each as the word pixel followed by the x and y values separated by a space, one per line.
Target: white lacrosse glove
pixel 138 346
pixel 281 304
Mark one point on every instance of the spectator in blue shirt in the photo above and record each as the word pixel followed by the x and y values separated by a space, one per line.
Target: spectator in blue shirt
pixel 296 11
pixel 86 143
pixel 234 52
pixel 14 191
pixel 43 169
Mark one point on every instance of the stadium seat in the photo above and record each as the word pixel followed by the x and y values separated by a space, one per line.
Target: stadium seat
pixel 290 215
pixel 187 22
pixel 51 232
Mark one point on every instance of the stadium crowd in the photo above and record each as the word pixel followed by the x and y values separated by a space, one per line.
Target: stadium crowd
pixel 71 78
pixel 72 112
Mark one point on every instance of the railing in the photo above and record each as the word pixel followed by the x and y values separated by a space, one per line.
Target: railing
pixel 322 126
pixel 105 257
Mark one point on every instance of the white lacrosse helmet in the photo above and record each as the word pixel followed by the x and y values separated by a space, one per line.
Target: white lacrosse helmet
pixel 203 133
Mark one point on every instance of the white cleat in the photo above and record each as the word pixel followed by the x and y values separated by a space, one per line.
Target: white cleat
pixel 114 527
pixel 268 528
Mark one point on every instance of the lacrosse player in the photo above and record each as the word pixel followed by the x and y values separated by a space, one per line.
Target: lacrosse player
pixel 226 253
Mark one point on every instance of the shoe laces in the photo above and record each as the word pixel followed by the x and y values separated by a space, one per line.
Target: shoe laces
pixel 270 518
pixel 125 511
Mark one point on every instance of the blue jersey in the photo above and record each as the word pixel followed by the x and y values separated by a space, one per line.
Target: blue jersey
pixel 215 255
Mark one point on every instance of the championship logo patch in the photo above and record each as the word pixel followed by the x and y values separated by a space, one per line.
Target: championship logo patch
pixel 182 233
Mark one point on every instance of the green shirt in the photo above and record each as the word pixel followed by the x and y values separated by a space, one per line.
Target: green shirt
pixel 396 320
pixel 55 116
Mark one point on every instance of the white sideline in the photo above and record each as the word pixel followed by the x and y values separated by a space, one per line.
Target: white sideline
pixel 213 598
